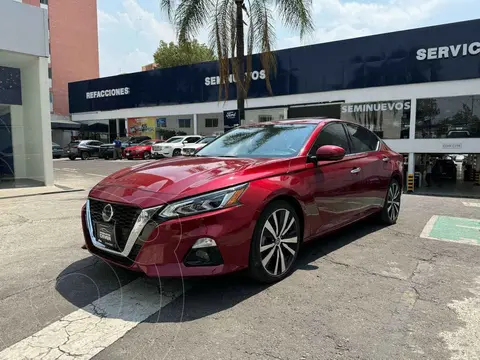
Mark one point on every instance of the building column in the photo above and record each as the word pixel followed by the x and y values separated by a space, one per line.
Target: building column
pixel 413 118
pixel 285 113
pixel 411 163
pixel 195 124
pixel 117 127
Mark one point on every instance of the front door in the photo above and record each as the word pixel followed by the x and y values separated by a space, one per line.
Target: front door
pixel 334 182
pixel 375 167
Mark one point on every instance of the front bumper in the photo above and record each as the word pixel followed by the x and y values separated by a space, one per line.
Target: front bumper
pixel 162 153
pixel 160 248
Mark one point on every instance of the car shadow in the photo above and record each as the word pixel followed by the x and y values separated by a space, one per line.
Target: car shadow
pixel 91 278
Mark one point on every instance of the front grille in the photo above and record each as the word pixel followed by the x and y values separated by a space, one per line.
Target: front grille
pixel 157 147
pixel 124 218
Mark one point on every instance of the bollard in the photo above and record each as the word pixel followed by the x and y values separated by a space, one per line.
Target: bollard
pixel 410 183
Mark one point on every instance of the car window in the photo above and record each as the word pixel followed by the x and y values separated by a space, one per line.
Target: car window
pixel 205 140
pixel 96 143
pixel 363 140
pixel 174 140
pixel 331 134
pixel 192 140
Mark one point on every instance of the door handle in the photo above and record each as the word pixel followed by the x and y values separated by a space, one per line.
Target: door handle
pixel 385 159
pixel 355 170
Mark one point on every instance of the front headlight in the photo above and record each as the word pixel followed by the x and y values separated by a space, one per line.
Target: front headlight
pixel 209 202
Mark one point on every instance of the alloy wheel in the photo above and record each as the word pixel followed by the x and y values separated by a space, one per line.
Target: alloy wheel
pixel 146 155
pixel 279 242
pixel 393 201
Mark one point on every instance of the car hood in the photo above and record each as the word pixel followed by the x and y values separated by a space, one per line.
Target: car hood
pixel 171 179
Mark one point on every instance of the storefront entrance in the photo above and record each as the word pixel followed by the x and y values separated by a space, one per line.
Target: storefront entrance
pixel 7 171
pixel 447 175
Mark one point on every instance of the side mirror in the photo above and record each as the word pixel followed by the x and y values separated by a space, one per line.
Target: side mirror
pixel 184 142
pixel 330 153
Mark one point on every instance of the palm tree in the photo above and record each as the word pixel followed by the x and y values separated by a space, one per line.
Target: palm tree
pixel 225 19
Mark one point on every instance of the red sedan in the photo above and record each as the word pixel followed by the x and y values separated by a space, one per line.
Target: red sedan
pixel 141 151
pixel 248 199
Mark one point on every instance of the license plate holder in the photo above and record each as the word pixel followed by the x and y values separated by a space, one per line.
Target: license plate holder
pixel 105 234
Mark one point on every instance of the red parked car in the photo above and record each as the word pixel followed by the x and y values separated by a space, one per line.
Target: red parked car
pixel 141 151
pixel 248 199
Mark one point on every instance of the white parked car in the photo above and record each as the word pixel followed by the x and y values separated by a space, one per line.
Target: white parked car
pixel 190 149
pixel 173 146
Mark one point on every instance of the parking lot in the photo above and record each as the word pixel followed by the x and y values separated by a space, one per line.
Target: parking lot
pixel 409 291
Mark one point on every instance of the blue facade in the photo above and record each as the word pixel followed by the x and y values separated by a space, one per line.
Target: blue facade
pixel 10 86
pixel 440 53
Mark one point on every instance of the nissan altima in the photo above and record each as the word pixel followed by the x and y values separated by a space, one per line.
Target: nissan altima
pixel 247 200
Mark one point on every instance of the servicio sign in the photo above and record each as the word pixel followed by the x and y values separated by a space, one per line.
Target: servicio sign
pixel 445 52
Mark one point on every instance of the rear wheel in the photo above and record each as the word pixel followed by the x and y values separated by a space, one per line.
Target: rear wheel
pixel 391 207
pixel 275 244
pixel 147 155
pixel 72 157
pixel 177 152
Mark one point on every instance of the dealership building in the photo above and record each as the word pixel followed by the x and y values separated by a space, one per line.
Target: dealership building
pixel 418 89
pixel 25 132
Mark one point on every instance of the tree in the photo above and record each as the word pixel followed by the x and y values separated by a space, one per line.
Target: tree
pixel 187 53
pixel 225 18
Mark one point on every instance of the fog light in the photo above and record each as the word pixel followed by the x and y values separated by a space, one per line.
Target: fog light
pixel 204 243
pixel 201 254
pixel 204 253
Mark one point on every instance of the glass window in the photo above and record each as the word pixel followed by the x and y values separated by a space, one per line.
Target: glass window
pixel 331 134
pixel 265 118
pixel 449 117
pixel 45 2
pixel 174 140
pixel 211 123
pixel 49 72
pixel 279 140
pixel 184 123
pixel 388 119
pixel 362 139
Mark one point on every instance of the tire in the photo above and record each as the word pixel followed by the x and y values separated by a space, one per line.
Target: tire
pixel 265 265
pixel 84 155
pixel 177 152
pixel 391 208
pixel 72 157
pixel 147 155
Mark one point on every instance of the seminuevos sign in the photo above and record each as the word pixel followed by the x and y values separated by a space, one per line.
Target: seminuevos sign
pixel 379 106
pixel 215 80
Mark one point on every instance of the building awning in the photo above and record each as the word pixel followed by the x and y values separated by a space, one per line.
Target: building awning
pixel 65 125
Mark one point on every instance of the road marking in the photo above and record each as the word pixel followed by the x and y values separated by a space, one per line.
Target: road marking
pixel 87 331
pixel 453 229
pixel 471 204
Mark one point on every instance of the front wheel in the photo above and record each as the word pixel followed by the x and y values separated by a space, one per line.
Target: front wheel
pixel 275 243
pixel 391 207
pixel 84 155
pixel 177 152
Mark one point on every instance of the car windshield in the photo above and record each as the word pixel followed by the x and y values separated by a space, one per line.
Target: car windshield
pixel 174 140
pixel 275 140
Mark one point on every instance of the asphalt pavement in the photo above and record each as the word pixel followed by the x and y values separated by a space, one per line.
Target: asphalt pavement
pixel 408 291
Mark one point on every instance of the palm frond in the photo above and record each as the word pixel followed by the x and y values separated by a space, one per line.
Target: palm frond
pixel 169 7
pixel 296 14
pixel 263 28
pixel 190 17
pixel 220 42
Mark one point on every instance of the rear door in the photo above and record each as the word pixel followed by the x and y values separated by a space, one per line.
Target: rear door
pixel 332 182
pixel 375 167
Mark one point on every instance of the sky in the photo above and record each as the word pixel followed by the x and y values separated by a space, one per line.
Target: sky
pixel 130 30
